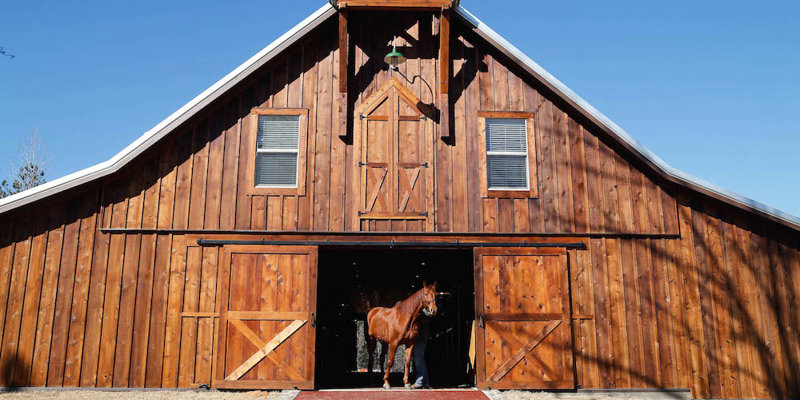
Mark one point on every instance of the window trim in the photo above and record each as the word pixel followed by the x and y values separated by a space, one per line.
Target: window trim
pixel 252 149
pixel 533 182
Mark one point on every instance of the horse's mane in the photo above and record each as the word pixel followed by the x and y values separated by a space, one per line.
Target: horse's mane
pixel 409 305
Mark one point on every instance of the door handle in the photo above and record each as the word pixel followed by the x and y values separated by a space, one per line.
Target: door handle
pixel 480 320
pixel 313 320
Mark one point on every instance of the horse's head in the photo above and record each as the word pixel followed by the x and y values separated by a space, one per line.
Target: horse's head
pixel 429 299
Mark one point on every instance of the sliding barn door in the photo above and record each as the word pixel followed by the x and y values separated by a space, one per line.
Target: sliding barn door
pixel 267 334
pixel 524 337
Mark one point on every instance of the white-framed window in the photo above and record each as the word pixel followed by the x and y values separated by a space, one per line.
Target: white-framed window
pixel 507 154
pixel 277 150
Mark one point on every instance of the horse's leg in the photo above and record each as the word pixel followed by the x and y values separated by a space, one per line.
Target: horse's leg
pixel 384 349
pixel 409 352
pixel 392 350
pixel 371 355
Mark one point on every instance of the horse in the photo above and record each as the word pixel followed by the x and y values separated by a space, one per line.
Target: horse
pixel 398 325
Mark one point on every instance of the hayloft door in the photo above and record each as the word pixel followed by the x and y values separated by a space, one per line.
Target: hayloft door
pixel 524 338
pixel 267 331
pixel 394 155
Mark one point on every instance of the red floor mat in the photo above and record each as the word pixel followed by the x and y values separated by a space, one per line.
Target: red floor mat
pixel 394 395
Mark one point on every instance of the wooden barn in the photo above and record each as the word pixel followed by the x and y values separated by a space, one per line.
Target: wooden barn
pixel 233 245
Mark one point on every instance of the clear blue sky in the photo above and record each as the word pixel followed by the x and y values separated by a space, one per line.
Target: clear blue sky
pixel 710 86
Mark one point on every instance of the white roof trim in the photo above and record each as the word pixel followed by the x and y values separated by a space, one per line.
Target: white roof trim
pixel 215 91
pixel 670 173
pixel 173 121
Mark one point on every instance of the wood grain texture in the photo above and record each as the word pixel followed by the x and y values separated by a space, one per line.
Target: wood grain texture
pixel 672 290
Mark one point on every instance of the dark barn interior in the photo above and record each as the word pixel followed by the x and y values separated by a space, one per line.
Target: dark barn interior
pixel 351 281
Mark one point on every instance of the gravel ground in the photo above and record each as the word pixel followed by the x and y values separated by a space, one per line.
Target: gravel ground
pixel 523 395
pixel 145 395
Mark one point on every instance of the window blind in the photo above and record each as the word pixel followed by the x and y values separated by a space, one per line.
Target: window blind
pixel 506 153
pixel 277 150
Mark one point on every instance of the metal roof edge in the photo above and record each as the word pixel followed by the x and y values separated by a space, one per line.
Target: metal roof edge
pixel 180 116
pixel 672 174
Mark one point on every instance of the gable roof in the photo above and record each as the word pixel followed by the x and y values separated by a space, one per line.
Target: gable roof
pixel 205 98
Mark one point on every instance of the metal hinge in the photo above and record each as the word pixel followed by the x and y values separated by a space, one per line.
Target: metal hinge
pixel 313 320
pixel 425 164
pixel 424 214
pixel 360 213
pixel 424 117
pixel 361 164
pixel 362 116
pixel 480 320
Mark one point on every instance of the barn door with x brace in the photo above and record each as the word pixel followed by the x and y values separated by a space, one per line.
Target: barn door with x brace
pixel 267 330
pixel 524 335
pixel 394 154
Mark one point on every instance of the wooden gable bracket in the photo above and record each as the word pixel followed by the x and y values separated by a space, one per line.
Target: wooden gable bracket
pixel 341 98
pixel 444 73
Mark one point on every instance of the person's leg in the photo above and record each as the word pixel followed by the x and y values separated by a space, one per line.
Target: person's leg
pixel 419 365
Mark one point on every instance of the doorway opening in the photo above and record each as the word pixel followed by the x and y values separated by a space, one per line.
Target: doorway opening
pixel 350 281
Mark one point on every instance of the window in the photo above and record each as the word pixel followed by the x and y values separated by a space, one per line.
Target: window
pixel 508 154
pixel 278 151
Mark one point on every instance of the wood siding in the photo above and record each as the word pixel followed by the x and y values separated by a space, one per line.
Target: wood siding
pixel 677 290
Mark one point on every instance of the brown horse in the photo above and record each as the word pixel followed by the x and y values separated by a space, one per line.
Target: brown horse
pixel 398 325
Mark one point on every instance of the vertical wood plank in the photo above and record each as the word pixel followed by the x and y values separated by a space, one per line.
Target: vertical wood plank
pixel 578 174
pixel 78 311
pixel 247 137
pixel 188 337
pixel 197 200
pixel 155 345
pixel 183 184
pixel 33 288
pixel 337 167
pixel 127 303
pixel 565 213
pixel 230 166
pixel 473 68
pixel 63 299
pixel 549 192
pixel 594 189
pixel 205 328
pixel 172 335
pixel 322 156
pixel 44 325
pixel 691 294
pixel 619 344
pixel 602 307
pixel 14 302
pixel 213 206
pixel 460 208
pixel 142 311
pixel 702 260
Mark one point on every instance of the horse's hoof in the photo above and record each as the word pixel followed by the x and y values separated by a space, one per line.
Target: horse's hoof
pixel 408 386
pixel 387 386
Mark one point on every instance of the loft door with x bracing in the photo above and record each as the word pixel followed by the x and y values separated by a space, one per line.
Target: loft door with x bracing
pixel 395 155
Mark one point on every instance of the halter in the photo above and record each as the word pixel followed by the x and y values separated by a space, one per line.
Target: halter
pixel 426 310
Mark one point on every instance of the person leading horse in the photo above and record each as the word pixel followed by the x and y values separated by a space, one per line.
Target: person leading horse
pixel 400 325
